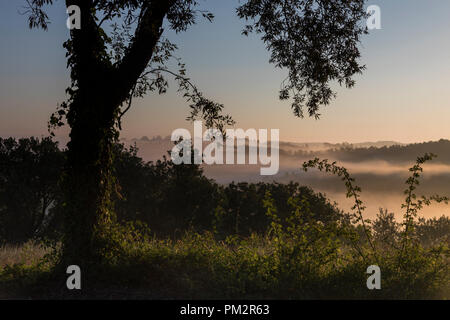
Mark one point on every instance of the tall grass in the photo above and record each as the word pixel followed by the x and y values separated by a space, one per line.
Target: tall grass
pixel 27 254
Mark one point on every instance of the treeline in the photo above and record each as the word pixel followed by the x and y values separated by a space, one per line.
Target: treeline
pixel 394 153
pixel 169 198
pixel 264 240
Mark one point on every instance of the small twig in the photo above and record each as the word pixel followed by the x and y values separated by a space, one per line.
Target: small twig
pixel 121 114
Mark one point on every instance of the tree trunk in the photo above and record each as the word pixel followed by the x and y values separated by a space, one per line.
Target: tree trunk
pixel 90 183
pixel 99 87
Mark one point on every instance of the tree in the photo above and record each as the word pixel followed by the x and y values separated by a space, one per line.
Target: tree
pixel 315 40
pixel 29 173
pixel 170 198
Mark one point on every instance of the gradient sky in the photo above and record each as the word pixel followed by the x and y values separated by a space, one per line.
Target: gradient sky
pixel 403 95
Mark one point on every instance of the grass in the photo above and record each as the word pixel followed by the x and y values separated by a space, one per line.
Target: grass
pixel 28 254
pixel 299 258
pixel 200 267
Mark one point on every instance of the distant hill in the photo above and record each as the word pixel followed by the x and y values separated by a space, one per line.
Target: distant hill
pixel 151 149
pixel 394 153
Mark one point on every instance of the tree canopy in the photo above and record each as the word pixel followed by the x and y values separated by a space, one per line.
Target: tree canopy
pixel 316 41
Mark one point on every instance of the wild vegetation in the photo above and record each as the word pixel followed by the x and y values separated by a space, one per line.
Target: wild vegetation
pixel 164 231
pixel 243 240
pixel 316 42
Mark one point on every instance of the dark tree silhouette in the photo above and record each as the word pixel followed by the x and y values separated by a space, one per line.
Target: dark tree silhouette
pixel 315 40
pixel 29 173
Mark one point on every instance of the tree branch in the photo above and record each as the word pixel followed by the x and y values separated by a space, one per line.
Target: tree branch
pixel 140 51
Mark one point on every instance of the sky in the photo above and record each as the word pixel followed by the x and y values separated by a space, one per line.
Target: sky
pixel 403 95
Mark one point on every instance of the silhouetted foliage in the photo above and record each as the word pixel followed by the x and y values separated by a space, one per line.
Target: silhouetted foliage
pixel 245 240
pixel 393 154
pixel 241 209
pixel 315 41
pixel 169 198
pixel 30 170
